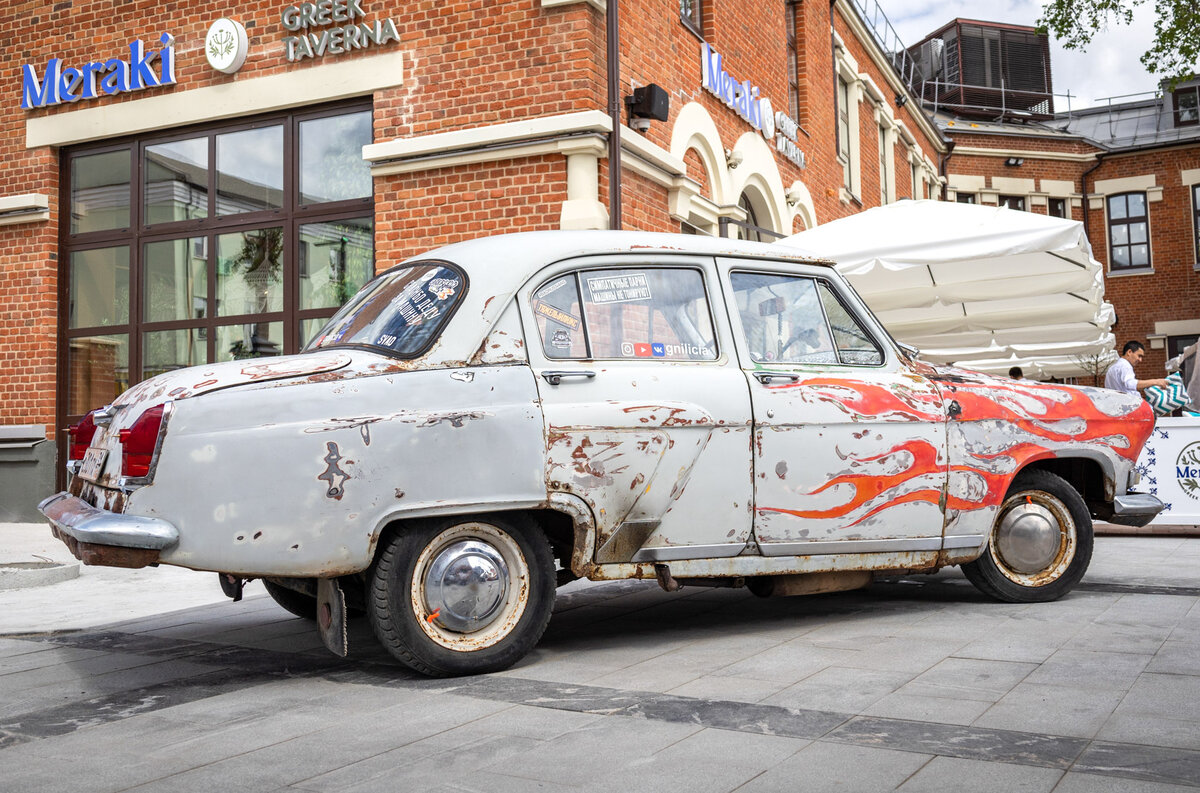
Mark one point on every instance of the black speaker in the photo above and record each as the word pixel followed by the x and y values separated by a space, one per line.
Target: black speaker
pixel 649 101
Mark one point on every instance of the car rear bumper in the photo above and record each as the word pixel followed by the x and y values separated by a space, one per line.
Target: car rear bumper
pixel 99 537
pixel 1135 509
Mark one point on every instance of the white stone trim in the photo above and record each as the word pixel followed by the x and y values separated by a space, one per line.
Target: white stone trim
pixel 967 183
pixel 1177 327
pixel 1058 188
pixel 230 99
pixel 977 151
pixel 1190 176
pixel 599 5
pixel 1127 184
pixel 1013 185
pixel 24 208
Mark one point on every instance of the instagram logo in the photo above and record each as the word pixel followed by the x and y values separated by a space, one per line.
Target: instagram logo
pixel 627 348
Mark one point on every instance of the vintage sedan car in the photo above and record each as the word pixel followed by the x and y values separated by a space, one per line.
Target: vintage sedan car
pixel 492 419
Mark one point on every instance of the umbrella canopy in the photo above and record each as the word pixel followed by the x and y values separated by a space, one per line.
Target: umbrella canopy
pixel 970 284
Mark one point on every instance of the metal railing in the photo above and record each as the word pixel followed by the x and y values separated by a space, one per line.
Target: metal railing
pixel 889 41
pixel 1000 102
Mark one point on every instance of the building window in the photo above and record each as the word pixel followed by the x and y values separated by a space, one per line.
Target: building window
pixel 843 130
pixel 1057 208
pixel 916 181
pixel 883 166
pixel 793 59
pixel 1187 105
pixel 234 241
pixel 1016 202
pixel 965 198
pixel 1196 220
pixel 1128 232
pixel 691 12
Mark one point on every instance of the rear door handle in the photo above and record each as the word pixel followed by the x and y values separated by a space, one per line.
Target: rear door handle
pixel 766 377
pixel 554 378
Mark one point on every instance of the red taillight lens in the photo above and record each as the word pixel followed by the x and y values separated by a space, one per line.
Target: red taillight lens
pixel 80 435
pixel 138 442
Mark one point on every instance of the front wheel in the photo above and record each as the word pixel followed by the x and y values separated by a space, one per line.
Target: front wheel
pixel 461 596
pixel 1040 544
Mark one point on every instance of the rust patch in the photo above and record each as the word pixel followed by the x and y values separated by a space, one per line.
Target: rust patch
pixel 781 469
pixel 399 494
pixel 637 482
pixel 333 474
pixel 95 555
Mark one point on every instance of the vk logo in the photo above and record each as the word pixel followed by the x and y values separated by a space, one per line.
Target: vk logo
pixel 658 350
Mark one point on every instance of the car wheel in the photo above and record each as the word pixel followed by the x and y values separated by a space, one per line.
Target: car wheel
pixel 1040 544
pixel 297 603
pixel 462 596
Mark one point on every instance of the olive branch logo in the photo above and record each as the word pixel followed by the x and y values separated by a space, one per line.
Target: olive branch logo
pixel 1187 470
pixel 221 44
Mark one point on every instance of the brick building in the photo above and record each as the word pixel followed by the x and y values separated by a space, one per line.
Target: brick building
pixel 190 184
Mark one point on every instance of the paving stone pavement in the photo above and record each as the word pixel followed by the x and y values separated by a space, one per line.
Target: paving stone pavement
pixel 915 684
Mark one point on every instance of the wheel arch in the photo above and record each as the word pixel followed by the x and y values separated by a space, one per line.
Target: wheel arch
pixel 1091 475
pixel 565 519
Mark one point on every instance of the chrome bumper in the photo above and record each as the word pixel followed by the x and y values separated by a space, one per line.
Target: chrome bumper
pixel 100 537
pixel 1135 509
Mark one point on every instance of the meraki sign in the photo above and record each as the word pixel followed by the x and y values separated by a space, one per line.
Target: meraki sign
pixel 331 27
pixel 58 84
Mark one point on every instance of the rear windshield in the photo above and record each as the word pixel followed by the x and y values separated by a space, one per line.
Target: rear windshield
pixel 401 312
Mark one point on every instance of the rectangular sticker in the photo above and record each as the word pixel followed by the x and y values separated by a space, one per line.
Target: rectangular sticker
pixel 619 288
pixel 93 464
pixel 556 314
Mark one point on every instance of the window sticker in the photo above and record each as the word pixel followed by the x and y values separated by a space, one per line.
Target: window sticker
pixel 556 314
pixel 619 288
pixel 442 288
pixel 554 286
pixel 560 339
pixel 657 349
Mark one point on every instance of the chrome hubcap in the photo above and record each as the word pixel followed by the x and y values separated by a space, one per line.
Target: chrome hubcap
pixel 465 586
pixel 1028 538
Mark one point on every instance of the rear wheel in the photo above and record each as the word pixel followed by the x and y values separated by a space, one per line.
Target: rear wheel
pixel 461 596
pixel 297 603
pixel 1040 544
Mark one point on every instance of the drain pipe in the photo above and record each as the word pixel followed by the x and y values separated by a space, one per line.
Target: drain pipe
pixel 613 47
pixel 1084 192
pixel 945 158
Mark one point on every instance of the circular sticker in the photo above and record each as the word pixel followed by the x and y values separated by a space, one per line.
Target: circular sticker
pixel 226 45
pixel 1187 469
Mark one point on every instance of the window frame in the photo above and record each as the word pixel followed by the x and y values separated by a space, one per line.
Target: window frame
pixel 1110 223
pixel 694 21
pixel 844 155
pixel 1177 111
pixel 793 57
pixel 1196 223
pixel 1061 202
pixel 1007 201
pixel 577 275
pixel 883 166
pixel 138 234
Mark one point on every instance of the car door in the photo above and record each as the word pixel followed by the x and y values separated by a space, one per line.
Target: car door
pixel 647 412
pixel 849 441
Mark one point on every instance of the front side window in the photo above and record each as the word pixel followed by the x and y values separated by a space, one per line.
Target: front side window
pixel 797 320
pixel 1128 232
pixel 641 312
pixel 400 313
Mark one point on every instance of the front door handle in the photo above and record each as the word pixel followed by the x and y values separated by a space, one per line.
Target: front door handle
pixel 766 377
pixel 554 378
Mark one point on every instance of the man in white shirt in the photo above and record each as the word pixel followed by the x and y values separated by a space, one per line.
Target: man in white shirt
pixel 1120 376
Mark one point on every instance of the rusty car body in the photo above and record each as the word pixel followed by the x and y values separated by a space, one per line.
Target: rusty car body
pixel 488 420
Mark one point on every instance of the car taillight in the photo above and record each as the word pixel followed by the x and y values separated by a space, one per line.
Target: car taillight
pixel 80 435
pixel 138 442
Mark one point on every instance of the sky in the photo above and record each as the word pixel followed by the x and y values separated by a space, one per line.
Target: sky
pixel 1110 67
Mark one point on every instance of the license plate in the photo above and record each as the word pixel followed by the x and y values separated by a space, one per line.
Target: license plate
pixel 93 463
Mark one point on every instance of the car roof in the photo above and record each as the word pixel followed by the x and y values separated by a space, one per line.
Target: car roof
pixel 518 256
pixel 497 266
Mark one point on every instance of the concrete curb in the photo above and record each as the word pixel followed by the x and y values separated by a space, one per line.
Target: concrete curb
pixel 22 575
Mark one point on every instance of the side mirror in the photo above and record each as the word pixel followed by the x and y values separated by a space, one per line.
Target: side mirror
pixel 912 352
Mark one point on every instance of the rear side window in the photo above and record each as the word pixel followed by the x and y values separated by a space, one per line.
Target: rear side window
pixel 646 312
pixel 400 313
pixel 794 319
